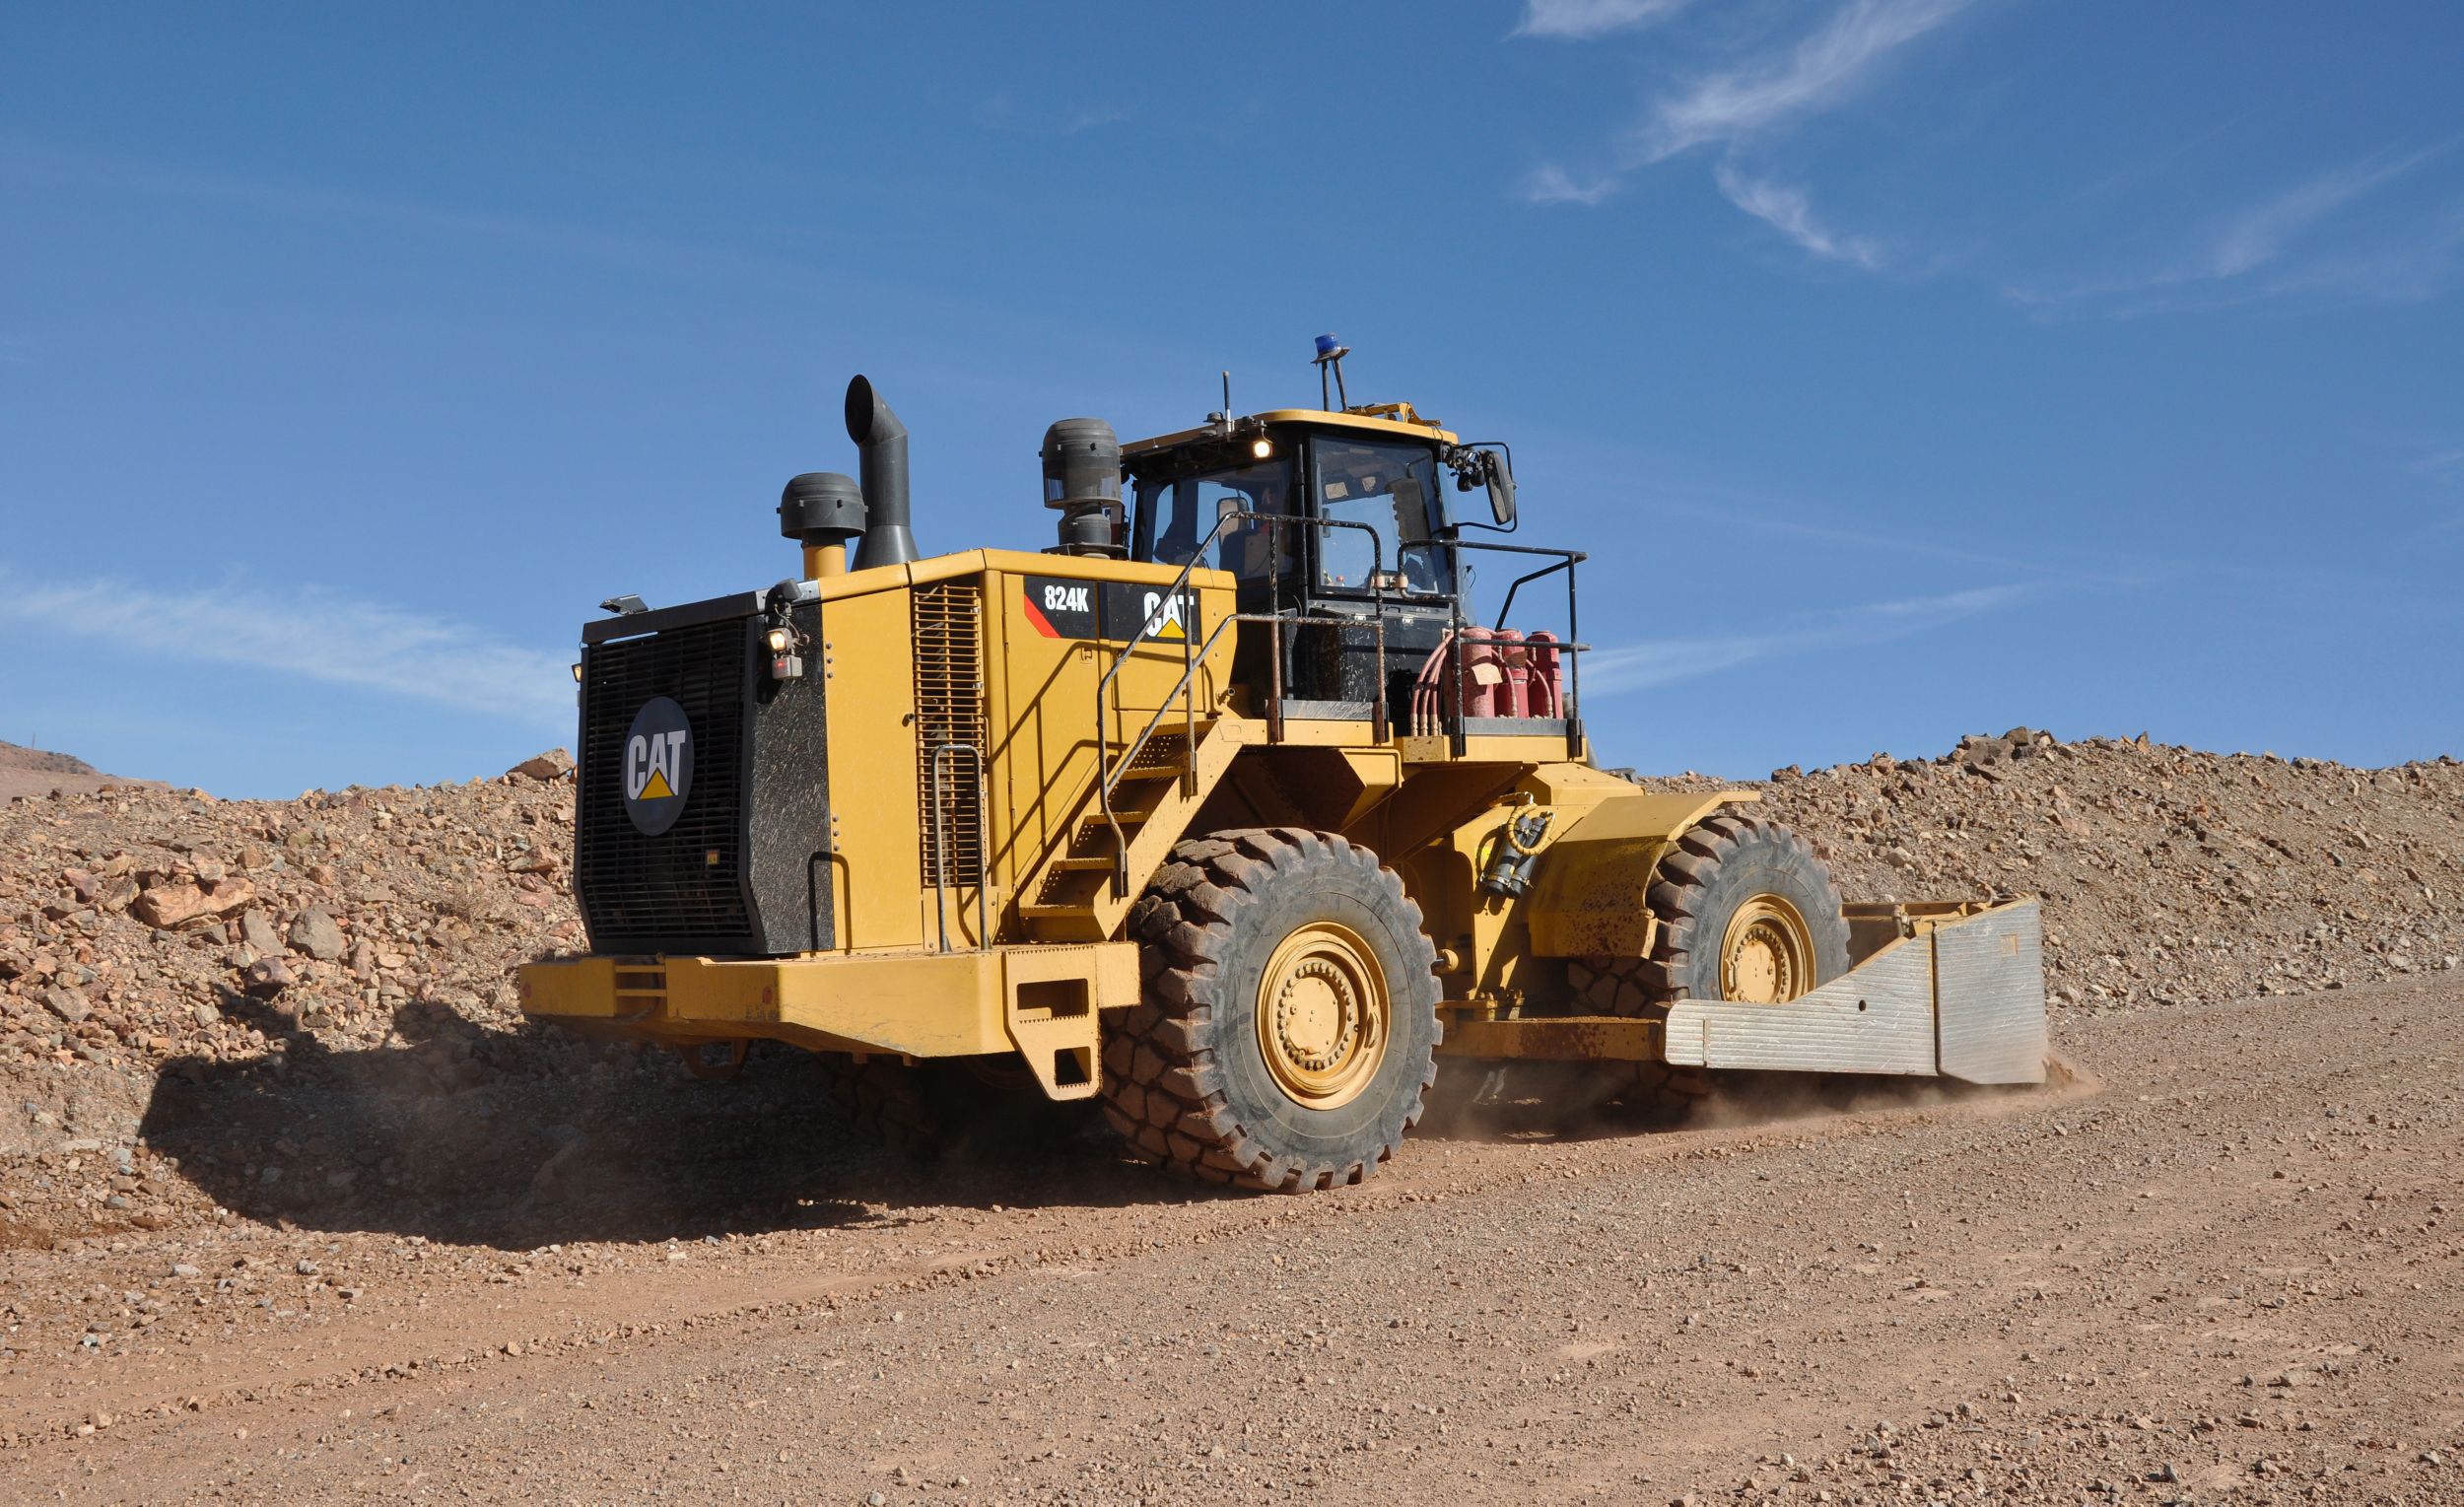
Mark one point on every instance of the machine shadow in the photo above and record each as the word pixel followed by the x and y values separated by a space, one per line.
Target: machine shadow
pixel 463 1135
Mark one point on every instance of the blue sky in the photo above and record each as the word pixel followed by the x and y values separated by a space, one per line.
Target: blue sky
pixel 1909 367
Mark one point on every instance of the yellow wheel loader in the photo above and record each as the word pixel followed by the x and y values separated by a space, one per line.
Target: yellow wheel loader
pixel 1226 810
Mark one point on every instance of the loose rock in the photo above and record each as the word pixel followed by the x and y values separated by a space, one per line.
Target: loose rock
pixel 316 934
pixel 555 764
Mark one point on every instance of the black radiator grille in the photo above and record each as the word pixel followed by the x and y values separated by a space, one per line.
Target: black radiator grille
pixel 949 708
pixel 684 889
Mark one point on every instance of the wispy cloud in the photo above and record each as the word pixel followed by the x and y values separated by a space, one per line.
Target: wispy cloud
pixel 2438 466
pixel 1583 20
pixel 44 165
pixel 2166 159
pixel 2112 571
pixel 2255 252
pixel 2416 263
pixel 316 635
pixel 1001 111
pixel 1743 105
pixel 2443 470
pixel 1824 69
pixel 1785 209
pixel 1552 184
pixel 320 205
pixel 2333 233
pixel 2258 235
pixel 1662 661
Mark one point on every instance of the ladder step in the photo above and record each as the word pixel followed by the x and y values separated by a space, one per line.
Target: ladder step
pixel 1076 885
pixel 1055 912
pixel 1092 832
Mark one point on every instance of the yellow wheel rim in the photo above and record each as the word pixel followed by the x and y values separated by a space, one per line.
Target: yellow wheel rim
pixel 1766 956
pixel 1324 1016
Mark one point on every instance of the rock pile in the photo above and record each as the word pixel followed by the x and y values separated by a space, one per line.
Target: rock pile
pixel 145 929
pixel 129 918
pixel 2169 875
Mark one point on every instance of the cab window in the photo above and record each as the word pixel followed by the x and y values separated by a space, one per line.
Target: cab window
pixel 1176 514
pixel 1388 488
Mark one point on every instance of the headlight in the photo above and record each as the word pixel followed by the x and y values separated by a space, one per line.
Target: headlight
pixel 1262 448
pixel 780 639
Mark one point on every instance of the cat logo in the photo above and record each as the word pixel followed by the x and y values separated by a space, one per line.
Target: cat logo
pixel 658 766
pixel 1162 617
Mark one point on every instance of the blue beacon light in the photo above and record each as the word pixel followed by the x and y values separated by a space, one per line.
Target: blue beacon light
pixel 1330 359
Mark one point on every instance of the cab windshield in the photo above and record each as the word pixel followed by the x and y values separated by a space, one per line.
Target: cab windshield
pixel 1381 504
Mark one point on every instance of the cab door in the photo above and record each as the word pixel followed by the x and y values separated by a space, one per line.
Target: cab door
pixel 1377 554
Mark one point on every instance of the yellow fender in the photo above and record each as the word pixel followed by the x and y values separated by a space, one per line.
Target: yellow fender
pixel 1591 896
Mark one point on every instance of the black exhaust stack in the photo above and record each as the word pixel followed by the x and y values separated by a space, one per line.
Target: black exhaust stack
pixel 882 440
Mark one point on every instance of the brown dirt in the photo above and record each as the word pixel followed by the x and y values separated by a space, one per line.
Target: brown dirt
pixel 374 1239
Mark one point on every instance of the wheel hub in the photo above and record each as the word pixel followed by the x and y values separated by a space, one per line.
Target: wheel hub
pixel 1318 1015
pixel 1323 1016
pixel 1767 954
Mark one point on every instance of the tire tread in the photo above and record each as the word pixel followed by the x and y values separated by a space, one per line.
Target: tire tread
pixel 1185 925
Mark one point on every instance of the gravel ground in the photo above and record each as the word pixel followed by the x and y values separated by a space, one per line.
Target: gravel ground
pixel 2220 1266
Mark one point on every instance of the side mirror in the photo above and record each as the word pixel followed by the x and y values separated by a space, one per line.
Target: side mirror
pixel 1500 479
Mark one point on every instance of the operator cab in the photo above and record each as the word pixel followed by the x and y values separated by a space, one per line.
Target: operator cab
pixel 1337 520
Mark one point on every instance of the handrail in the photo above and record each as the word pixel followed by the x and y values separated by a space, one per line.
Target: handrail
pixel 941 868
pixel 1520 582
pixel 1573 647
pixel 1108 777
pixel 1274 522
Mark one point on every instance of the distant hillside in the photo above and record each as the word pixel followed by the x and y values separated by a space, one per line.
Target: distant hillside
pixel 40 772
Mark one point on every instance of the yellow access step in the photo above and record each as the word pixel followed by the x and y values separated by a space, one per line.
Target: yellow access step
pixel 1071 892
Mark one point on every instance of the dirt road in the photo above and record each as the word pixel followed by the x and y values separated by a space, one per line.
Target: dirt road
pixel 2224 1265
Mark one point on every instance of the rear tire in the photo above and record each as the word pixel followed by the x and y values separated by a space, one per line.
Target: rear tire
pixel 1289 1026
pixel 883 1102
pixel 945 1109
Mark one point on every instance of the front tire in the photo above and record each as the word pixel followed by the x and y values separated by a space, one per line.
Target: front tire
pixel 1289 1029
pixel 1747 911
